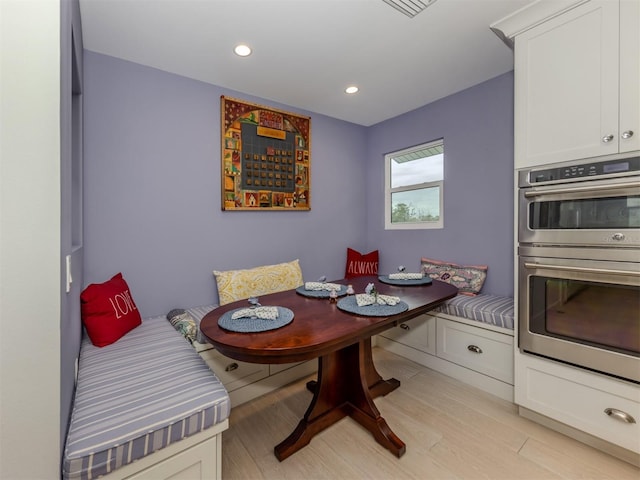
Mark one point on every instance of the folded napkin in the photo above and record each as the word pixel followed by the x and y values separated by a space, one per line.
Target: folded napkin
pixel 264 313
pixel 405 276
pixel 364 299
pixel 321 286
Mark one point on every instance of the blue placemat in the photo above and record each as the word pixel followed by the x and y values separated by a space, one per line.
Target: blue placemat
pixel 320 293
pixel 350 305
pixel 252 325
pixel 393 281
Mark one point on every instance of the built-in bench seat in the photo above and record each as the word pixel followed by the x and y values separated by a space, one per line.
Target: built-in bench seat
pixel 145 405
pixel 490 309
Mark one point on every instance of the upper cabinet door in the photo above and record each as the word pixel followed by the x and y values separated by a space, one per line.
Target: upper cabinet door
pixel 567 86
pixel 629 75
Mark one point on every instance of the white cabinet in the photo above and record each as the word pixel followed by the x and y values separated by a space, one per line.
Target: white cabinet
pixel 198 462
pixel 483 351
pixel 470 351
pixel 245 381
pixel 233 373
pixel 629 126
pixel 577 80
pixel 418 333
pixel 601 406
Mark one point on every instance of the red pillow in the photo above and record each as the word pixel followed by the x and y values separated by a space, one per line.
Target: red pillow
pixel 359 265
pixel 108 311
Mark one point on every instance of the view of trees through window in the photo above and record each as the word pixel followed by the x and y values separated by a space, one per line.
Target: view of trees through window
pixel 414 187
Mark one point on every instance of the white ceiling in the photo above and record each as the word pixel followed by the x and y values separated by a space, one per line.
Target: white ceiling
pixel 306 52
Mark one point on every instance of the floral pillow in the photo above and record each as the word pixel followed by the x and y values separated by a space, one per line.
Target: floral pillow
pixel 468 278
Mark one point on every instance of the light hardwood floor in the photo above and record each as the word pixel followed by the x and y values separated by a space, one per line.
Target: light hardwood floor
pixel 452 431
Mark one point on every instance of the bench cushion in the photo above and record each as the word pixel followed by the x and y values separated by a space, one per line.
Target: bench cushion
pixel 145 391
pixel 492 309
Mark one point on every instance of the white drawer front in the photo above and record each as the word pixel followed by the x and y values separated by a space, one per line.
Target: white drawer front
pixel 232 373
pixel 419 333
pixel 198 462
pixel 273 369
pixel 583 406
pixel 475 348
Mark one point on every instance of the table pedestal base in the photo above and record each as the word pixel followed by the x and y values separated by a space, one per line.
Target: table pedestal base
pixel 347 384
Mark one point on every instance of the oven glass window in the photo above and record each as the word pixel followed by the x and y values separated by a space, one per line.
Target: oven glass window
pixel 590 213
pixel 598 314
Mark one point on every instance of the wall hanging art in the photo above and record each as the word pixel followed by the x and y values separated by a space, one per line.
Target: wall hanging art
pixel 266 159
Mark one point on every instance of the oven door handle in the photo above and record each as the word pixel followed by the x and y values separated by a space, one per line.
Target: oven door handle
pixel 582 188
pixel 607 271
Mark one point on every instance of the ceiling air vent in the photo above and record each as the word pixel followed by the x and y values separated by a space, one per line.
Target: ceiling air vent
pixel 409 7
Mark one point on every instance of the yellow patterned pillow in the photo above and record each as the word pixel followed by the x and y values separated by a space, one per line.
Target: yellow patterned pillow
pixel 239 284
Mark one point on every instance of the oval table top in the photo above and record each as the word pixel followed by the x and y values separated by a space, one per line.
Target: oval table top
pixel 319 327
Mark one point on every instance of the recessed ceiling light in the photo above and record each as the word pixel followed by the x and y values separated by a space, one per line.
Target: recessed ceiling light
pixel 242 50
pixel 351 89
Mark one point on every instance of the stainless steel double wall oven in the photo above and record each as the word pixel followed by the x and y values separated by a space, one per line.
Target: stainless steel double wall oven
pixel 579 265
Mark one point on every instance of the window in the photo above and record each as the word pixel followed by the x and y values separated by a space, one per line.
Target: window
pixel 414 180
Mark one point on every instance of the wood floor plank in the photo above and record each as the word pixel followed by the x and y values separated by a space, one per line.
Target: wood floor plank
pixel 452 431
pixel 570 460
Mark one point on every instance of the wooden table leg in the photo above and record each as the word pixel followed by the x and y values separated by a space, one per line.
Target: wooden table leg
pixel 377 385
pixel 343 389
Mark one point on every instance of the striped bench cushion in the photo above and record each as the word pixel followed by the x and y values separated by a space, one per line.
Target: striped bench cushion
pixel 491 309
pixel 145 391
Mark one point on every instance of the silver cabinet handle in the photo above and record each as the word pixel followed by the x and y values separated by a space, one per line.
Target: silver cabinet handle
pixel 588 189
pixel 607 138
pixel 619 415
pixel 606 271
pixel 627 134
pixel 617 236
pixel 404 326
pixel 231 367
pixel 474 349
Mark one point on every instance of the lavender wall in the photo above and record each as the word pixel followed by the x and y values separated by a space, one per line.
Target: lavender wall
pixel 477 127
pixel 152 190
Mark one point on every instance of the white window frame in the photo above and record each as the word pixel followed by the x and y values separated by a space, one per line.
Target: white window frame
pixel 388 191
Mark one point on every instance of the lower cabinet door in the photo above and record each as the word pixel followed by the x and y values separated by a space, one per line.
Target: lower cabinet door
pixel 419 333
pixel 232 373
pixel 199 462
pixel 601 406
pixel 478 349
pixel 273 369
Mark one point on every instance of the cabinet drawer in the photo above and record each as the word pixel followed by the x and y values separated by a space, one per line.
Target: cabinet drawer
pixel 573 402
pixel 418 333
pixel 273 369
pixel 232 373
pixel 197 462
pixel 483 351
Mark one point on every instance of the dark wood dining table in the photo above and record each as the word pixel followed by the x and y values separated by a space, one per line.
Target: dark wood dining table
pixel 347 379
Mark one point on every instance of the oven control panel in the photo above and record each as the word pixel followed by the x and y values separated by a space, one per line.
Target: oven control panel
pixel 610 167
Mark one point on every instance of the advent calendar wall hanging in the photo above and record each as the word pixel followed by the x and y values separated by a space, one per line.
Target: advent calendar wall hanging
pixel 266 161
